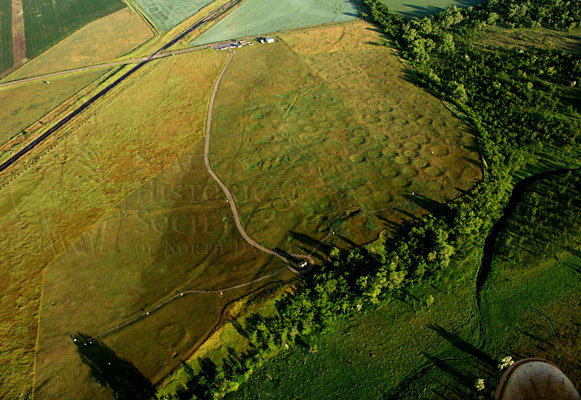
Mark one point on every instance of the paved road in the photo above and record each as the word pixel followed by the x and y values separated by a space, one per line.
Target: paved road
pixel 102 66
pixel 111 86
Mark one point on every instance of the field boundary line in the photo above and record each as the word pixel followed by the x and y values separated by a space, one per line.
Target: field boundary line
pixel 80 123
pixel 179 296
pixel 137 8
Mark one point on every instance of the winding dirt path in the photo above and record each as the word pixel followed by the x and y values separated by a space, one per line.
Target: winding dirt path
pixel 230 198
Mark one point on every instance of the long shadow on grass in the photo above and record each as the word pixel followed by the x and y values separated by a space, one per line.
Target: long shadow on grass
pixel 309 241
pixel 463 345
pixel 112 371
pixel 434 207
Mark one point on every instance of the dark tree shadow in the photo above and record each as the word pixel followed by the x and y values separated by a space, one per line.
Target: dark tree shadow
pixel 464 346
pixel 432 206
pixel 112 371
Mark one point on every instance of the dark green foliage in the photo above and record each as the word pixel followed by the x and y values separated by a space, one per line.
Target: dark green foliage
pixel 48 22
pixel 517 102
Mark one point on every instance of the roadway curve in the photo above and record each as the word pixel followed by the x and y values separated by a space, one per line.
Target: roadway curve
pixel 111 86
pixel 225 189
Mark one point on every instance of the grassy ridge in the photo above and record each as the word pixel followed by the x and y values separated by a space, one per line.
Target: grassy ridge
pixel 5 34
pixel 255 17
pixel 166 14
pixel 48 22
pixel 102 40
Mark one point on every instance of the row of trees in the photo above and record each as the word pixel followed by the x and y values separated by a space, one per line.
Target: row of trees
pixel 517 103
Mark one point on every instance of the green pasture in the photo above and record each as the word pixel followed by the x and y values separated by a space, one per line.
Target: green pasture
pixel 22 105
pixel 166 14
pixel 169 234
pixel 48 22
pixel 255 17
pixel 329 132
pixel 415 348
pixel 422 8
pixel 5 34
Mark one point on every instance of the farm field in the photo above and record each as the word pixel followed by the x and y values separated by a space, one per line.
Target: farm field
pixel 254 17
pixel 5 34
pixel 334 128
pixel 166 14
pixel 102 40
pixel 49 22
pixel 48 207
pixel 422 8
pixel 409 349
pixel 23 105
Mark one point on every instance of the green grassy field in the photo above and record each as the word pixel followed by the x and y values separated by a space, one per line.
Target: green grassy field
pixel 409 349
pixel 422 8
pixel 256 17
pixel 48 22
pixel 47 208
pixel 166 14
pixel 334 126
pixel 23 105
pixel 172 233
pixel 5 34
pixel 99 41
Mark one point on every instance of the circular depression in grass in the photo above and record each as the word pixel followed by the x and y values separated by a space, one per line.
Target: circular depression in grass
pixel 373 154
pixel 280 204
pixel 451 141
pixel 420 139
pixel 400 181
pixel 411 145
pixel 419 163
pixel 357 158
pixel 360 132
pixel 409 171
pixel 400 121
pixel 357 140
pixel 371 118
pixel 382 197
pixel 433 171
pixel 410 153
pixel 440 150
pixel 363 190
pixel 389 172
pixel 434 187
pixel 401 160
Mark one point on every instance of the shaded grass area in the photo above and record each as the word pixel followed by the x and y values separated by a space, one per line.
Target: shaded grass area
pixel 383 353
pixel 166 14
pixel 6 56
pixel 541 245
pixel 23 105
pixel 413 348
pixel 49 206
pixel 335 126
pixel 423 8
pixel 49 22
pixel 102 40
pixel 255 17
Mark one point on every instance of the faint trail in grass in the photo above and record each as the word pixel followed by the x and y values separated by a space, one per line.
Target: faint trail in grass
pixel 179 296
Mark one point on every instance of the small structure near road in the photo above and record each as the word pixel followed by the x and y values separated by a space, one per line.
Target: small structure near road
pixel 304 264
pixel 231 45
pixel 265 40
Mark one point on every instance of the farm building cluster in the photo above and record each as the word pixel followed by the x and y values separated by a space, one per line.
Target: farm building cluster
pixel 240 43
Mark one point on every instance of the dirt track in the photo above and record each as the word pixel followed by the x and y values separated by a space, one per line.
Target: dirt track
pixel 18 34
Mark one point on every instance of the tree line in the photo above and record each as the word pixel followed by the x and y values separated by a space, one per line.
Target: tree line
pixel 518 101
